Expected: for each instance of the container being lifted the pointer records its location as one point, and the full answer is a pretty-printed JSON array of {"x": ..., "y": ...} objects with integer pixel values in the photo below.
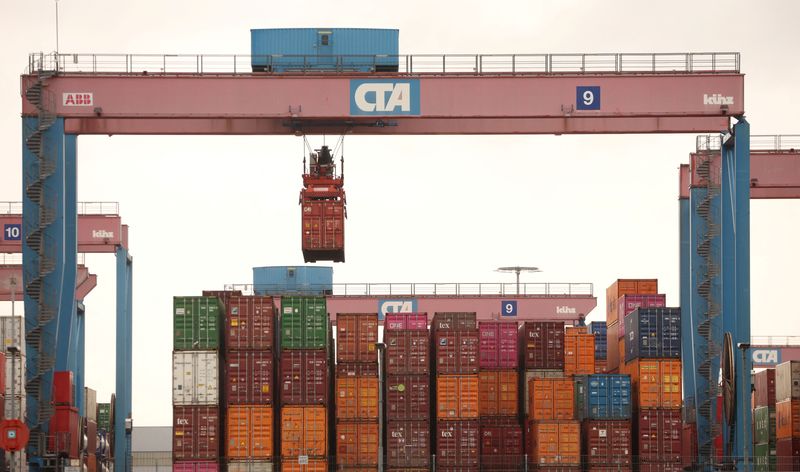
[{"x": 323, "y": 202}]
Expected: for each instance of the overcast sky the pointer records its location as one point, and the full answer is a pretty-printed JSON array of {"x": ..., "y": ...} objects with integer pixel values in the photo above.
[{"x": 204, "y": 210}]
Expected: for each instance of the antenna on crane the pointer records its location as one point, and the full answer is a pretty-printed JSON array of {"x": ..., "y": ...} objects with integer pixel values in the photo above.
[
  {"x": 56, "y": 30},
  {"x": 518, "y": 270}
]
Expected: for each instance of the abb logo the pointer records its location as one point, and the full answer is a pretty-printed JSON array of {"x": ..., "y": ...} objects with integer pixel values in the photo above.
[{"x": 78, "y": 99}]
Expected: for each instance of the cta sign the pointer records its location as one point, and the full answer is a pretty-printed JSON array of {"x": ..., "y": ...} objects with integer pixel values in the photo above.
[
  {"x": 78, "y": 99},
  {"x": 407, "y": 305},
  {"x": 384, "y": 97},
  {"x": 763, "y": 357}
]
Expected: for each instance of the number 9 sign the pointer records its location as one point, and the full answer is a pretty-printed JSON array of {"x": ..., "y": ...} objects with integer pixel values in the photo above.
[
  {"x": 508, "y": 307},
  {"x": 587, "y": 98}
]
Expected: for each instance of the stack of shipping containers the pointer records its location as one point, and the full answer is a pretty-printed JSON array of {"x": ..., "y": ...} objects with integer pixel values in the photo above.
[
  {"x": 249, "y": 338},
  {"x": 764, "y": 446},
  {"x": 498, "y": 400},
  {"x": 603, "y": 402},
  {"x": 305, "y": 384},
  {"x": 787, "y": 409},
  {"x": 195, "y": 384},
  {"x": 408, "y": 393},
  {"x": 357, "y": 392},
  {"x": 622, "y": 297},
  {"x": 457, "y": 432}
]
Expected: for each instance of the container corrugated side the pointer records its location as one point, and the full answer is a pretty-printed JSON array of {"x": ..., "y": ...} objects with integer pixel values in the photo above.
[
  {"x": 578, "y": 354},
  {"x": 356, "y": 336},
  {"x": 787, "y": 422},
  {"x": 304, "y": 431},
  {"x": 554, "y": 443},
  {"x": 499, "y": 348},
  {"x": 251, "y": 465},
  {"x": 357, "y": 398},
  {"x": 628, "y": 303},
  {"x": 764, "y": 384},
  {"x": 498, "y": 393},
  {"x": 196, "y": 323},
  {"x": 304, "y": 377},
  {"x": 457, "y": 444},
  {"x": 457, "y": 396},
  {"x": 608, "y": 397},
  {"x": 456, "y": 352},
  {"x": 249, "y": 377},
  {"x": 356, "y": 444},
  {"x": 195, "y": 466},
  {"x": 787, "y": 381},
  {"x": 408, "y": 444},
  {"x": 551, "y": 399},
  {"x": 195, "y": 378},
  {"x": 195, "y": 432},
  {"x": 408, "y": 397},
  {"x": 764, "y": 425},
  {"x": 250, "y": 323},
  {"x": 249, "y": 432},
  {"x": 304, "y": 323},
  {"x": 653, "y": 333},
  {"x": 658, "y": 435},
  {"x": 542, "y": 345},
  {"x": 655, "y": 383},
  {"x": 607, "y": 442},
  {"x": 404, "y": 321},
  {"x": 501, "y": 444},
  {"x": 407, "y": 352}
]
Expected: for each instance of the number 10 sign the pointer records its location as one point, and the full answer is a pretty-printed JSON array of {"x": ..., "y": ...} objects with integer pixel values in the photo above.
[{"x": 588, "y": 98}]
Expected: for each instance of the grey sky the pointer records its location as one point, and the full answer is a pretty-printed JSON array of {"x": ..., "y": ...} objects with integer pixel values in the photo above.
[{"x": 204, "y": 210}]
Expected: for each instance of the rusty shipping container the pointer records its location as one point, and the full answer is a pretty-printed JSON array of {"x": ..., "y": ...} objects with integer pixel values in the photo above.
[
  {"x": 658, "y": 435},
  {"x": 304, "y": 377},
  {"x": 787, "y": 381},
  {"x": 249, "y": 432},
  {"x": 457, "y": 444},
  {"x": 787, "y": 419},
  {"x": 356, "y": 336},
  {"x": 788, "y": 455},
  {"x": 542, "y": 345},
  {"x": 349, "y": 369},
  {"x": 525, "y": 391},
  {"x": 250, "y": 323},
  {"x": 764, "y": 383},
  {"x": 456, "y": 352},
  {"x": 627, "y": 304},
  {"x": 655, "y": 383},
  {"x": 408, "y": 444},
  {"x": 356, "y": 398},
  {"x": 578, "y": 354},
  {"x": 249, "y": 377},
  {"x": 501, "y": 444},
  {"x": 457, "y": 396},
  {"x": 323, "y": 229},
  {"x": 304, "y": 431},
  {"x": 607, "y": 443},
  {"x": 195, "y": 432},
  {"x": 499, "y": 347},
  {"x": 408, "y": 397},
  {"x": 407, "y": 352},
  {"x": 498, "y": 393},
  {"x": 454, "y": 322},
  {"x": 554, "y": 443},
  {"x": 356, "y": 444},
  {"x": 551, "y": 399}
]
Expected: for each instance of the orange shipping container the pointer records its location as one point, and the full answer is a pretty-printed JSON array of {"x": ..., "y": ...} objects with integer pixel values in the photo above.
[
  {"x": 304, "y": 431},
  {"x": 249, "y": 432},
  {"x": 599, "y": 366},
  {"x": 356, "y": 444},
  {"x": 292, "y": 464},
  {"x": 551, "y": 399},
  {"x": 622, "y": 287},
  {"x": 356, "y": 335},
  {"x": 656, "y": 383},
  {"x": 555, "y": 442},
  {"x": 357, "y": 398},
  {"x": 579, "y": 354},
  {"x": 456, "y": 396},
  {"x": 787, "y": 419},
  {"x": 576, "y": 330},
  {"x": 498, "y": 393}
]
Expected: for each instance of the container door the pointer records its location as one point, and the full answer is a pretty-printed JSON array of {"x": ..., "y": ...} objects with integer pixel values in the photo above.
[{"x": 325, "y": 48}]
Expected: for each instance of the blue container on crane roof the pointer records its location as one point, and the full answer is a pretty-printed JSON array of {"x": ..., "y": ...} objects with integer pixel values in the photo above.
[
  {"x": 293, "y": 280},
  {"x": 324, "y": 50},
  {"x": 599, "y": 329}
]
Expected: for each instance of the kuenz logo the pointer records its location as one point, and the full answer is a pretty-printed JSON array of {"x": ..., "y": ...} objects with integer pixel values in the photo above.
[
  {"x": 717, "y": 99},
  {"x": 102, "y": 234},
  {"x": 384, "y": 97},
  {"x": 565, "y": 310}
]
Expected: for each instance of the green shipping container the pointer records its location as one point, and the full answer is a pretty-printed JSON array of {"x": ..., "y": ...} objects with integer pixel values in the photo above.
[
  {"x": 581, "y": 386},
  {"x": 304, "y": 323},
  {"x": 764, "y": 420},
  {"x": 765, "y": 457},
  {"x": 196, "y": 323},
  {"x": 104, "y": 416}
]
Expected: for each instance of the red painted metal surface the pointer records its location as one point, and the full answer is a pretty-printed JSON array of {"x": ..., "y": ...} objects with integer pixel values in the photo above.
[
  {"x": 304, "y": 377},
  {"x": 248, "y": 377},
  {"x": 322, "y": 227},
  {"x": 84, "y": 284},
  {"x": 455, "y": 352},
  {"x": 408, "y": 444},
  {"x": 773, "y": 175},
  {"x": 407, "y": 352},
  {"x": 764, "y": 384},
  {"x": 607, "y": 442},
  {"x": 501, "y": 444},
  {"x": 788, "y": 451},
  {"x": 195, "y": 432},
  {"x": 689, "y": 445},
  {"x": 626, "y": 304},
  {"x": 65, "y": 431},
  {"x": 457, "y": 444},
  {"x": 356, "y": 336},
  {"x": 63, "y": 389},
  {"x": 542, "y": 345},
  {"x": 408, "y": 397},
  {"x": 402, "y": 321},
  {"x": 499, "y": 346},
  {"x": 454, "y": 321},
  {"x": 249, "y": 323},
  {"x": 195, "y": 466},
  {"x": 658, "y": 433}
]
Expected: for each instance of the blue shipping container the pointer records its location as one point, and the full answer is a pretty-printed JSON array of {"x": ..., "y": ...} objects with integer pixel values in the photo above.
[
  {"x": 599, "y": 329},
  {"x": 608, "y": 396},
  {"x": 653, "y": 333},
  {"x": 293, "y": 280},
  {"x": 324, "y": 49}
]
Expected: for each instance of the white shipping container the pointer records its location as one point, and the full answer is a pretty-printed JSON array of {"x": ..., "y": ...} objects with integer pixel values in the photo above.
[
  {"x": 787, "y": 381},
  {"x": 15, "y": 406},
  {"x": 195, "y": 378},
  {"x": 12, "y": 332},
  {"x": 19, "y": 374}
]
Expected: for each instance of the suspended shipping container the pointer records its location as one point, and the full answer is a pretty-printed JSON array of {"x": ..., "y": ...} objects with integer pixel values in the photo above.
[
  {"x": 195, "y": 378},
  {"x": 250, "y": 323},
  {"x": 653, "y": 333},
  {"x": 196, "y": 322},
  {"x": 248, "y": 377},
  {"x": 356, "y": 336},
  {"x": 323, "y": 226}
]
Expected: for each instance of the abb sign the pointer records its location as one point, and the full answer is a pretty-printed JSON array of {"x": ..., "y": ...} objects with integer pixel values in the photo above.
[{"x": 78, "y": 99}]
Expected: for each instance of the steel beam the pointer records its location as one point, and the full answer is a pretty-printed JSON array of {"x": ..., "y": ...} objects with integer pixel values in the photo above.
[{"x": 124, "y": 361}]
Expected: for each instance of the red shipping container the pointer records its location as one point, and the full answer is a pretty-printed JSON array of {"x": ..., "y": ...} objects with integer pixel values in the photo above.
[
  {"x": 456, "y": 352},
  {"x": 195, "y": 466},
  {"x": 608, "y": 443},
  {"x": 457, "y": 444},
  {"x": 63, "y": 388},
  {"x": 304, "y": 377},
  {"x": 788, "y": 452},
  {"x": 404, "y": 321},
  {"x": 356, "y": 335},
  {"x": 454, "y": 322},
  {"x": 408, "y": 444},
  {"x": 764, "y": 384},
  {"x": 498, "y": 345},
  {"x": 323, "y": 229},
  {"x": 615, "y": 351},
  {"x": 501, "y": 444},
  {"x": 542, "y": 345},
  {"x": 356, "y": 445},
  {"x": 349, "y": 369},
  {"x": 408, "y": 397},
  {"x": 657, "y": 466},
  {"x": 65, "y": 431},
  {"x": 407, "y": 352},
  {"x": 250, "y": 323},
  {"x": 689, "y": 443},
  {"x": 195, "y": 432},
  {"x": 628, "y": 303},
  {"x": 248, "y": 377},
  {"x": 223, "y": 295},
  {"x": 658, "y": 434},
  {"x": 3, "y": 372}
]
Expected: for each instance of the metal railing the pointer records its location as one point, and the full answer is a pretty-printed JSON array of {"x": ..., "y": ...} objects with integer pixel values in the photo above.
[
  {"x": 758, "y": 142},
  {"x": 98, "y": 208},
  {"x": 429, "y": 289},
  {"x": 90, "y": 63},
  {"x": 11, "y": 208},
  {"x": 775, "y": 341}
]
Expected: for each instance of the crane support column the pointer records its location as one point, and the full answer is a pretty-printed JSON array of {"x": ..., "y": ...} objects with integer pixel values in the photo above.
[
  {"x": 735, "y": 188},
  {"x": 687, "y": 347},
  {"x": 80, "y": 360},
  {"x": 122, "y": 414}
]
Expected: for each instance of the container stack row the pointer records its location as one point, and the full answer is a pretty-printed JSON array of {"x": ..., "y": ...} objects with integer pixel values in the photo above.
[
  {"x": 408, "y": 392},
  {"x": 357, "y": 392},
  {"x": 622, "y": 297},
  {"x": 455, "y": 379},
  {"x": 787, "y": 416},
  {"x": 764, "y": 430}
]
